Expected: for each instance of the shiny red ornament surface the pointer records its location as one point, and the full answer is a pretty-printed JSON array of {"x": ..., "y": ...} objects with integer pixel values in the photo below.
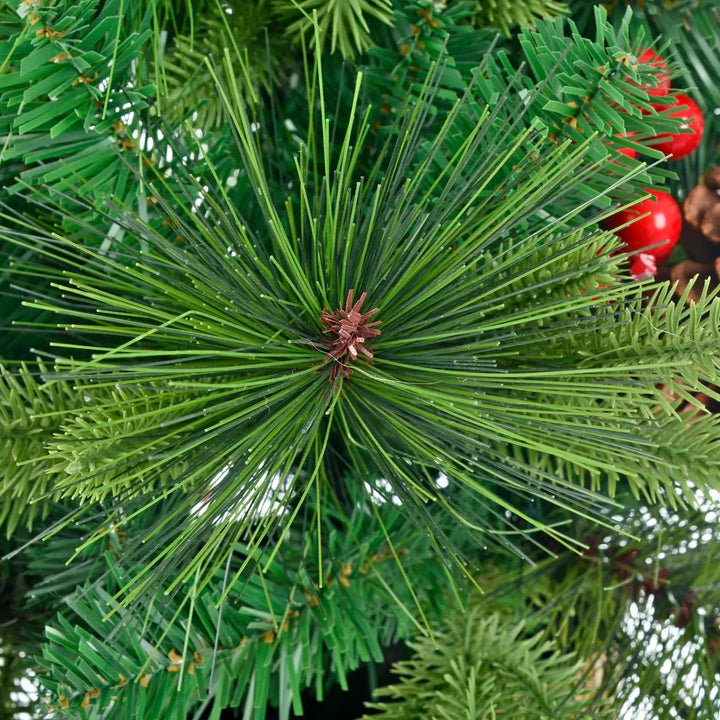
[
  {"x": 681, "y": 145},
  {"x": 662, "y": 86},
  {"x": 660, "y": 228}
]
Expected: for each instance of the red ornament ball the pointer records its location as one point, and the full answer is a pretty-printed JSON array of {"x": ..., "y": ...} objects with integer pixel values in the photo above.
[
  {"x": 662, "y": 85},
  {"x": 682, "y": 144},
  {"x": 660, "y": 228}
]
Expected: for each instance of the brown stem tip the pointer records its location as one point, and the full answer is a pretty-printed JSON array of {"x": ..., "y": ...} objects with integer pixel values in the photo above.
[{"x": 349, "y": 330}]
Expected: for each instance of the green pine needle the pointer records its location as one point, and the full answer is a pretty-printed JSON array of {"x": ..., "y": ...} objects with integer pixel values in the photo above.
[{"x": 346, "y": 23}]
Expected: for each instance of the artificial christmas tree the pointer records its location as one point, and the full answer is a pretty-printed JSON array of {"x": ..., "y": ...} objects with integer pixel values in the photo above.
[{"x": 315, "y": 344}]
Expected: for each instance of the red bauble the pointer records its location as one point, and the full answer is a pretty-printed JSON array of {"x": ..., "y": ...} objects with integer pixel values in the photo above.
[
  {"x": 662, "y": 86},
  {"x": 660, "y": 228},
  {"x": 682, "y": 144}
]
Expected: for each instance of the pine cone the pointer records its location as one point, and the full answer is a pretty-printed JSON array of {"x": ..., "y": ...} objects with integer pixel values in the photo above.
[
  {"x": 702, "y": 206},
  {"x": 700, "y": 237}
]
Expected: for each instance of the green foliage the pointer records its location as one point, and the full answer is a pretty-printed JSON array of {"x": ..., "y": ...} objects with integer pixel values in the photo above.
[
  {"x": 68, "y": 76},
  {"x": 250, "y": 511},
  {"x": 251, "y": 30},
  {"x": 580, "y": 87},
  {"x": 505, "y": 14},
  {"x": 588, "y": 90},
  {"x": 64, "y": 91},
  {"x": 481, "y": 665},
  {"x": 30, "y": 412},
  {"x": 425, "y": 36},
  {"x": 346, "y": 23},
  {"x": 656, "y": 330},
  {"x": 222, "y": 326},
  {"x": 263, "y": 643},
  {"x": 124, "y": 426},
  {"x": 660, "y": 7}
]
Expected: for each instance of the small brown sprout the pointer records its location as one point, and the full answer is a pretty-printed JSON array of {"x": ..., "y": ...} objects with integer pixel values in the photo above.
[{"x": 349, "y": 329}]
